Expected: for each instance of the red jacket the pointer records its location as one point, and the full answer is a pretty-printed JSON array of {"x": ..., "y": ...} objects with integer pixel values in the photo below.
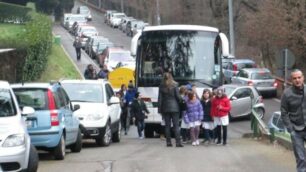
[{"x": 225, "y": 104}]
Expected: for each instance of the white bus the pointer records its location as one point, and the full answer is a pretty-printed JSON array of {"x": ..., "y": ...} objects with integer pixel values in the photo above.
[{"x": 191, "y": 53}]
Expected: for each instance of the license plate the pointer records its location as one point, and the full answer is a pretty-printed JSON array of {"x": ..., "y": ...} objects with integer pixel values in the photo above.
[{"x": 29, "y": 124}]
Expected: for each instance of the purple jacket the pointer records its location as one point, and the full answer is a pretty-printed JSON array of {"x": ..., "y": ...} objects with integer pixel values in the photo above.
[{"x": 194, "y": 112}]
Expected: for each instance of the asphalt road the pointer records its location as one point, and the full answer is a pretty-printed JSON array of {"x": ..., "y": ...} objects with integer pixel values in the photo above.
[{"x": 135, "y": 155}]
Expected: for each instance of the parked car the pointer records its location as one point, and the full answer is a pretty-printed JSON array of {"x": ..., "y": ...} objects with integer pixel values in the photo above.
[
  {"x": 243, "y": 99},
  {"x": 130, "y": 25},
  {"x": 138, "y": 27},
  {"x": 260, "y": 78},
  {"x": 234, "y": 66},
  {"x": 124, "y": 25},
  {"x": 123, "y": 22},
  {"x": 92, "y": 44},
  {"x": 65, "y": 18},
  {"x": 16, "y": 150},
  {"x": 118, "y": 57},
  {"x": 100, "y": 53},
  {"x": 100, "y": 110},
  {"x": 74, "y": 18},
  {"x": 107, "y": 15},
  {"x": 276, "y": 122},
  {"x": 227, "y": 60},
  {"x": 84, "y": 10},
  {"x": 53, "y": 126},
  {"x": 84, "y": 32},
  {"x": 76, "y": 25},
  {"x": 115, "y": 19}
]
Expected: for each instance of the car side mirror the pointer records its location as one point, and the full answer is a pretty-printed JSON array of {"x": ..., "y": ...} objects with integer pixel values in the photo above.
[
  {"x": 234, "y": 98},
  {"x": 114, "y": 100},
  {"x": 76, "y": 107},
  {"x": 27, "y": 111}
]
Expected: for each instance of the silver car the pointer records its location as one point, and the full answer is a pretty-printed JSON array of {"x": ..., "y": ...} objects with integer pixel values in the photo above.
[
  {"x": 260, "y": 78},
  {"x": 243, "y": 99},
  {"x": 233, "y": 66},
  {"x": 16, "y": 151}
]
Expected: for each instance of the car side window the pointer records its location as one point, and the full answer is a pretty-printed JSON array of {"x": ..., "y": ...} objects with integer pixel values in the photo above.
[
  {"x": 242, "y": 93},
  {"x": 59, "y": 100}
]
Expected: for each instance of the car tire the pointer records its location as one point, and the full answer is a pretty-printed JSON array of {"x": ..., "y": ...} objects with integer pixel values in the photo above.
[
  {"x": 33, "y": 160},
  {"x": 77, "y": 146},
  {"x": 117, "y": 135},
  {"x": 105, "y": 137},
  {"x": 148, "y": 132},
  {"x": 260, "y": 112},
  {"x": 60, "y": 150}
]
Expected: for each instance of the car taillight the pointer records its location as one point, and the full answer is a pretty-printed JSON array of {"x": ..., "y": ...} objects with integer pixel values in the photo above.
[
  {"x": 52, "y": 108},
  {"x": 235, "y": 68},
  {"x": 250, "y": 83},
  {"x": 275, "y": 84}
]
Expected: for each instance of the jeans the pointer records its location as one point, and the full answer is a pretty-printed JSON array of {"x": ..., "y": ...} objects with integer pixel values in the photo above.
[
  {"x": 126, "y": 119},
  {"x": 224, "y": 128},
  {"x": 174, "y": 118},
  {"x": 298, "y": 139},
  {"x": 140, "y": 127},
  {"x": 78, "y": 53},
  {"x": 209, "y": 134}
]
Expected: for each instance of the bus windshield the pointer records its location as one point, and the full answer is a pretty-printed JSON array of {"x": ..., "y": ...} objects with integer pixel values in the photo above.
[{"x": 188, "y": 55}]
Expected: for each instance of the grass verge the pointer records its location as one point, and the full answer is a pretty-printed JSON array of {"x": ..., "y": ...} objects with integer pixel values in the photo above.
[{"x": 59, "y": 66}]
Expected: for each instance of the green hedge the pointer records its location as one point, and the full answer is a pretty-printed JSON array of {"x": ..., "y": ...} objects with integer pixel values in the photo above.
[
  {"x": 13, "y": 13},
  {"x": 39, "y": 43}
]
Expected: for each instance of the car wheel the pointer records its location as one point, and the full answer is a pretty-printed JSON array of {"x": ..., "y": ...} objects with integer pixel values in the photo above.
[
  {"x": 117, "y": 135},
  {"x": 33, "y": 160},
  {"x": 77, "y": 146},
  {"x": 60, "y": 150},
  {"x": 105, "y": 137},
  {"x": 260, "y": 112},
  {"x": 148, "y": 132}
]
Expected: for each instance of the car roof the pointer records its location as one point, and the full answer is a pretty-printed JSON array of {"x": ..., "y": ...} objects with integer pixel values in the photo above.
[
  {"x": 84, "y": 81},
  {"x": 236, "y": 86},
  {"x": 253, "y": 70},
  {"x": 4, "y": 84},
  {"x": 33, "y": 85},
  {"x": 243, "y": 61}
]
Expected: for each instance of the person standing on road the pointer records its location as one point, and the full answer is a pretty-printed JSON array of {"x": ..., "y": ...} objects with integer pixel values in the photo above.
[
  {"x": 194, "y": 116},
  {"x": 128, "y": 98},
  {"x": 77, "y": 45},
  {"x": 168, "y": 106},
  {"x": 139, "y": 110},
  {"x": 220, "y": 110},
  {"x": 184, "y": 127},
  {"x": 293, "y": 113},
  {"x": 208, "y": 122}
]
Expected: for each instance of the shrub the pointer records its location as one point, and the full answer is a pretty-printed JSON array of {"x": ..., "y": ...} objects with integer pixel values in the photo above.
[{"x": 13, "y": 13}]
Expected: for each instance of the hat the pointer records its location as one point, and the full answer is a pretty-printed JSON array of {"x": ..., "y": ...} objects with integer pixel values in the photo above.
[{"x": 130, "y": 85}]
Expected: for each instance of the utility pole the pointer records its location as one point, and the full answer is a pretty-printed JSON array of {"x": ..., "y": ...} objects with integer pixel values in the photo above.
[
  {"x": 157, "y": 12},
  {"x": 231, "y": 27},
  {"x": 122, "y": 7}
]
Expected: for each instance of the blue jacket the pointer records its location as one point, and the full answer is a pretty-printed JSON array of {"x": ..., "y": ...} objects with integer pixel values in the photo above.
[
  {"x": 129, "y": 96},
  {"x": 194, "y": 112}
]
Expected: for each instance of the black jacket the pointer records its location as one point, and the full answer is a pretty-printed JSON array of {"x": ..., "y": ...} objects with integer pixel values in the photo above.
[
  {"x": 206, "y": 108},
  {"x": 168, "y": 99},
  {"x": 293, "y": 108},
  {"x": 138, "y": 109}
]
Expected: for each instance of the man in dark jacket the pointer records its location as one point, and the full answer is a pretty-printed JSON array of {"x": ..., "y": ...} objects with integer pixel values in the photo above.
[
  {"x": 78, "y": 45},
  {"x": 293, "y": 113},
  {"x": 128, "y": 98},
  {"x": 139, "y": 110}
]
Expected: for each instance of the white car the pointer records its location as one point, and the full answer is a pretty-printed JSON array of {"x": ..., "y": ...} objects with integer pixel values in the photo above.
[
  {"x": 117, "y": 57},
  {"x": 16, "y": 151},
  {"x": 99, "y": 111}
]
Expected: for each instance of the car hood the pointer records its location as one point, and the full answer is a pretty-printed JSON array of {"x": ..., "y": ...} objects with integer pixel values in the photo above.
[
  {"x": 89, "y": 108},
  {"x": 11, "y": 125}
]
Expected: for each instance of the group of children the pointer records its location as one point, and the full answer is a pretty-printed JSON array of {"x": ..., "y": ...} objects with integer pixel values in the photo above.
[{"x": 209, "y": 111}]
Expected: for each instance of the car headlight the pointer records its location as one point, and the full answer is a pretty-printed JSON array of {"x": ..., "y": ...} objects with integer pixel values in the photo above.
[
  {"x": 14, "y": 140},
  {"x": 89, "y": 16},
  {"x": 94, "y": 117}
]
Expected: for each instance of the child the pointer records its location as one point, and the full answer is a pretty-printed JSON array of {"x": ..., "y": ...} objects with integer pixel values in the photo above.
[
  {"x": 184, "y": 126},
  {"x": 138, "y": 109},
  {"x": 208, "y": 123},
  {"x": 194, "y": 116}
]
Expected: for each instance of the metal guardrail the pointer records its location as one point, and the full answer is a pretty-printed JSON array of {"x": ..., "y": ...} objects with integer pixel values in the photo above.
[{"x": 258, "y": 127}]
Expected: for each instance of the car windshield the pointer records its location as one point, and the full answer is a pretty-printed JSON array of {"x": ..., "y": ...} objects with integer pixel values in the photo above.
[
  {"x": 36, "y": 98},
  {"x": 245, "y": 65},
  {"x": 97, "y": 41},
  {"x": 7, "y": 107},
  {"x": 84, "y": 92},
  {"x": 229, "y": 90},
  {"x": 120, "y": 56},
  {"x": 261, "y": 75},
  {"x": 119, "y": 15},
  {"x": 103, "y": 46},
  {"x": 77, "y": 18}
]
